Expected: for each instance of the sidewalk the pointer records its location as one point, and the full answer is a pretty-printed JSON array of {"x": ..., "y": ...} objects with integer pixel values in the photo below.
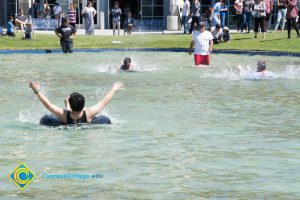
[{"x": 109, "y": 32}]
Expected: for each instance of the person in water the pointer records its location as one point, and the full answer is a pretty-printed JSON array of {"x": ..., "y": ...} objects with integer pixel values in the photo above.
[
  {"x": 75, "y": 111},
  {"x": 126, "y": 66},
  {"x": 260, "y": 73}
]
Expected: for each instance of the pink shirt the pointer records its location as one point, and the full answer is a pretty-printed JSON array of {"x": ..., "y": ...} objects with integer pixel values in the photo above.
[
  {"x": 269, "y": 5},
  {"x": 292, "y": 10},
  {"x": 239, "y": 6}
]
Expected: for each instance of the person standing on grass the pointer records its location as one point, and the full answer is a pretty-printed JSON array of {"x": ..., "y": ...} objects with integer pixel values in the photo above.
[
  {"x": 203, "y": 42},
  {"x": 89, "y": 13},
  {"x": 72, "y": 15},
  {"x": 238, "y": 6},
  {"x": 223, "y": 12},
  {"x": 185, "y": 14},
  {"x": 291, "y": 16},
  {"x": 116, "y": 13},
  {"x": 269, "y": 9},
  {"x": 247, "y": 15},
  {"x": 281, "y": 13},
  {"x": 259, "y": 18},
  {"x": 66, "y": 32},
  {"x": 195, "y": 15}
]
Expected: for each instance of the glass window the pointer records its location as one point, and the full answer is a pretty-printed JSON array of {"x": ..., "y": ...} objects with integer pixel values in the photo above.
[
  {"x": 158, "y": 2},
  {"x": 147, "y": 11},
  {"x": 158, "y": 11},
  {"x": 146, "y": 2}
]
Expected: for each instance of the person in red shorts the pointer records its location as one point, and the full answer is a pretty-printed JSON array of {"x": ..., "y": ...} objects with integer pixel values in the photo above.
[{"x": 203, "y": 42}]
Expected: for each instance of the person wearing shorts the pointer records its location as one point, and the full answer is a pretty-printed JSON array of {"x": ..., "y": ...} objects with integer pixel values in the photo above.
[{"x": 203, "y": 42}]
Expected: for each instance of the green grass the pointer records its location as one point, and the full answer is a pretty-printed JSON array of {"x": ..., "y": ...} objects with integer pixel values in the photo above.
[{"x": 273, "y": 42}]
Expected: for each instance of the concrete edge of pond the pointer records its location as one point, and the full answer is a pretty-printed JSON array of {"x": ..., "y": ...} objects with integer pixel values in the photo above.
[{"x": 217, "y": 51}]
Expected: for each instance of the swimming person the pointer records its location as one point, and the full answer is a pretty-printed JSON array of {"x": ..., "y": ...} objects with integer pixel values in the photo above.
[
  {"x": 260, "y": 73},
  {"x": 75, "y": 111},
  {"x": 126, "y": 65}
]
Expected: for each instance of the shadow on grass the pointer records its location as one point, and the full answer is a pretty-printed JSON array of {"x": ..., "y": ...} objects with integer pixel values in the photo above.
[
  {"x": 242, "y": 38},
  {"x": 273, "y": 40}
]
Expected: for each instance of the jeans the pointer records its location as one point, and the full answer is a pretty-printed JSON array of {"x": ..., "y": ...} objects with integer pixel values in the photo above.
[
  {"x": 184, "y": 22},
  {"x": 195, "y": 19},
  {"x": 223, "y": 20},
  {"x": 215, "y": 20},
  {"x": 247, "y": 17},
  {"x": 280, "y": 18},
  {"x": 67, "y": 46},
  {"x": 292, "y": 22},
  {"x": 116, "y": 24}
]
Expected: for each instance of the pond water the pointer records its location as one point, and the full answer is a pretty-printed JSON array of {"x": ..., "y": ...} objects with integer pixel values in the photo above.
[{"x": 177, "y": 133}]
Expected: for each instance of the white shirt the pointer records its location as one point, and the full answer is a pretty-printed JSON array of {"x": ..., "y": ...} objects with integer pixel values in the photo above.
[
  {"x": 185, "y": 8},
  {"x": 201, "y": 40},
  {"x": 89, "y": 10}
]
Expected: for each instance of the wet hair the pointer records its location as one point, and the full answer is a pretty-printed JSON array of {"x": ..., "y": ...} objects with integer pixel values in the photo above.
[
  {"x": 261, "y": 66},
  {"x": 76, "y": 101},
  {"x": 127, "y": 60}
]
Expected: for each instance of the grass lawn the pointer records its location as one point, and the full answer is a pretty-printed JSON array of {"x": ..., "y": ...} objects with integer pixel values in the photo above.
[{"x": 273, "y": 42}]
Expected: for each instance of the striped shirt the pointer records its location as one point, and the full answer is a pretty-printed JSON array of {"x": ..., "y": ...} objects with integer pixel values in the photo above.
[{"x": 72, "y": 16}]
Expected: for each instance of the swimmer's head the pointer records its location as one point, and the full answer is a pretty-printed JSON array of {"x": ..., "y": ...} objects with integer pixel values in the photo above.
[
  {"x": 261, "y": 66},
  {"x": 127, "y": 63},
  {"x": 76, "y": 102}
]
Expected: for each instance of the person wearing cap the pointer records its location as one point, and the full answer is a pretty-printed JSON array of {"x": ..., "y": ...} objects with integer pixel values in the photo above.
[
  {"x": 203, "y": 42},
  {"x": 226, "y": 34},
  {"x": 217, "y": 34}
]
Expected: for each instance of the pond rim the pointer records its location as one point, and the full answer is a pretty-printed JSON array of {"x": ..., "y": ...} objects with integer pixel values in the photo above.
[{"x": 215, "y": 51}]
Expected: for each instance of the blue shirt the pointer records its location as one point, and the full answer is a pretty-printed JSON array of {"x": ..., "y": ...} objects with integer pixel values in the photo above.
[
  {"x": 10, "y": 27},
  {"x": 223, "y": 12}
]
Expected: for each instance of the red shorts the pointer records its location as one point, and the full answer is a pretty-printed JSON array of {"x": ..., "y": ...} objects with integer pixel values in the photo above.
[{"x": 201, "y": 59}]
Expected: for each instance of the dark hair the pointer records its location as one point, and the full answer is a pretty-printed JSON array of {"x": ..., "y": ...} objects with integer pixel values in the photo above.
[
  {"x": 10, "y": 18},
  {"x": 261, "y": 66},
  {"x": 127, "y": 60},
  {"x": 76, "y": 101},
  {"x": 218, "y": 26},
  {"x": 64, "y": 20},
  {"x": 115, "y": 3},
  {"x": 89, "y": 3}
]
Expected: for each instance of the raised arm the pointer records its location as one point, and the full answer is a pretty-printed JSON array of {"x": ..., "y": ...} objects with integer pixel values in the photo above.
[
  {"x": 55, "y": 110},
  {"x": 94, "y": 110}
]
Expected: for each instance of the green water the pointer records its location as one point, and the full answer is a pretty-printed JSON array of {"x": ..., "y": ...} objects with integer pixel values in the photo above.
[{"x": 177, "y": 133}]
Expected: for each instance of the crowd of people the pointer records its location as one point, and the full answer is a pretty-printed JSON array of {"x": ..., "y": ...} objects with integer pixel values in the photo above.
[{"x": 246, "y": 11}]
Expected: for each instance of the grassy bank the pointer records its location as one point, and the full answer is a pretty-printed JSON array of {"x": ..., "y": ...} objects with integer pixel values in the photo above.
[{"x": 273, "y": 42}]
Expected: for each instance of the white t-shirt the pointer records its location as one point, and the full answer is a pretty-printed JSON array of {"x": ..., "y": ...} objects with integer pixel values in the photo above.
[
  {"x": 89, "y": 10},
  {"x": 185, "y": 8},
  {"x": 201, "y": 40}
]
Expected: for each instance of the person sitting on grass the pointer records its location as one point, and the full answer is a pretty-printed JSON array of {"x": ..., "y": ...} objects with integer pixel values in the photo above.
[
  {"x": 129, "y": 24},
  {"x": 66, "y": 32},
  {"x": 226, "y": 34},
  {"x": 10, "y": 27},
  {"x": 28, "y": 31},
  {"x": 75, "y": 111},
  {"x": 21, "y": 20},
  {"x": 217, "y": 34},
  {"x": 1, "y": 32}
]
